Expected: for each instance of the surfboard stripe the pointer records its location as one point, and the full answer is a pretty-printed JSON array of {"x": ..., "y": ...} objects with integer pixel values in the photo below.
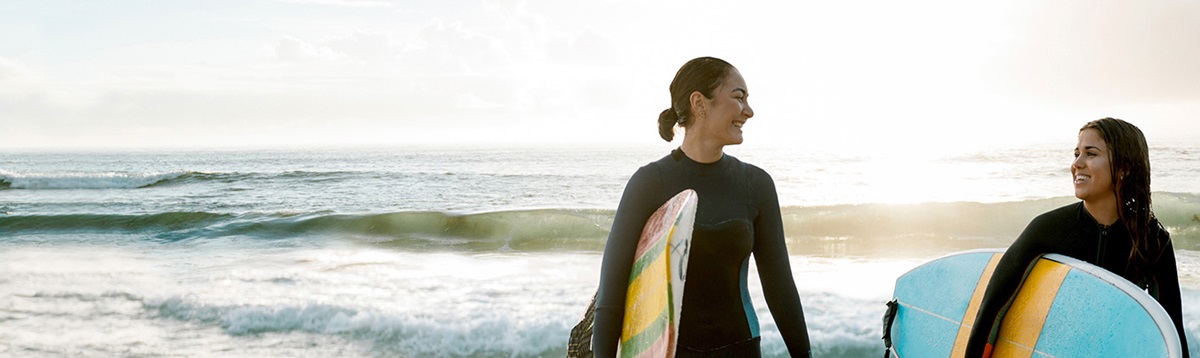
[
  {"x": 668, "y": 267},
  {"x": 648, "y": 341},
  {"x": 652, "y": 290},
  {"x": 653, "y": 255},
  {"x": 968, "y": 319},
  {"x": 1021, "y": 326}
]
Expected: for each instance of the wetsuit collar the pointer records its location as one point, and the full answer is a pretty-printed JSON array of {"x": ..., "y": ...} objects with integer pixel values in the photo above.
[
  {"x": 678, "y": 155},
  {"x": 698, "y": 168},
  {"x": 1086, "y": 217}
]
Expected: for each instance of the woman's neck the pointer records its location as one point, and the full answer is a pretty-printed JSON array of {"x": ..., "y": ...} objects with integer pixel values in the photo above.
[
  {"x": 701, "y": 152},
  {"x": 1104, "y": 211}
]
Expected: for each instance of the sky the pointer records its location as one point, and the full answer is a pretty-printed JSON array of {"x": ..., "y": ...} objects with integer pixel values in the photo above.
[{"x": 857, "y": 75}]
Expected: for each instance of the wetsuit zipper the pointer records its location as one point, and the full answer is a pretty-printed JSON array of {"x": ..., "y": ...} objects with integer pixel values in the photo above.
[{"x": 1100, "y": 247}]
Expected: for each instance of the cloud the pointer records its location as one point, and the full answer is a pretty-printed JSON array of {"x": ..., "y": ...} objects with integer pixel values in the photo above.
[
  {"x": 437, "y": 48},
  {"x": 13, "y": 72},
  {"x": 291, "y": 49},
  {"x": 348, "y": 3},
  {"x": 368, "y": 47},
  {"x": 359, "y": 49},
  {"x": 470, "y": 100},
  {"x": 1095, "y": 52},
  {"x": 452, "y": 48},
  {"x": 22, "y": 94},
  {"x": 587, "y": 47}
]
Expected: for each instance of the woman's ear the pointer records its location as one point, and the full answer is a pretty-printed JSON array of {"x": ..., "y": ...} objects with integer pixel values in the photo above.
[{"x": 699, "y": 104}]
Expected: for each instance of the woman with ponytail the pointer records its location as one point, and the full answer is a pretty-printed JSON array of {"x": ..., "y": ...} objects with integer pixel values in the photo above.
[
  {"x": 1112, "y": 226},
  {"x": 738, "y": 216}
]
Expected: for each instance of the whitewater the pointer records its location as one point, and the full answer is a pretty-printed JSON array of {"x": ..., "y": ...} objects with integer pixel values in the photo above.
[{"x": 468, "y": 252}]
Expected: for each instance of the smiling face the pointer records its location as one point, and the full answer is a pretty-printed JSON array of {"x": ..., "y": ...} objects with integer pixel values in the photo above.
[
  {"x": 1091, "y": 170},
  {"x": 724, "y": 113}
]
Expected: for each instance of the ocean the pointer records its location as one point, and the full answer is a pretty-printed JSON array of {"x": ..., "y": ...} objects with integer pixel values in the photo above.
[{"x": 469, "y": 251}]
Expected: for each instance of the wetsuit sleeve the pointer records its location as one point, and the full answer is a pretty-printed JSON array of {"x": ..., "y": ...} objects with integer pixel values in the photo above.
[
  {"x": 1005, "y": 281},
  {"x": 1167, "y": 279},
  {"x": 775, "y": 270},
  {"x": 639, "y": 200}
]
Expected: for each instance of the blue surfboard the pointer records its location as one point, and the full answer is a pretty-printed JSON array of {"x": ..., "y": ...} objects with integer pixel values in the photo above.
[{"x": 1065, "y": 308}]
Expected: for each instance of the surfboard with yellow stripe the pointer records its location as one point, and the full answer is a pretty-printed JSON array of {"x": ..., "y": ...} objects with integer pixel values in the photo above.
[
  {"x": 1064, "y": 308},
  {"x": 655, "y": 295}
]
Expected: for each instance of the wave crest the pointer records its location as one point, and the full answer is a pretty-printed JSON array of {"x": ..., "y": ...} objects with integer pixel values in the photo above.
[
  {"x": 876, "y": 228},
  {"x": 140, "y": 180},
  {"x": 105, "y": 180}
]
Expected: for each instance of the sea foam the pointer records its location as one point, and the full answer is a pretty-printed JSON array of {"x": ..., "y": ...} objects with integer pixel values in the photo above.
[{"x": 387, "y": 333}]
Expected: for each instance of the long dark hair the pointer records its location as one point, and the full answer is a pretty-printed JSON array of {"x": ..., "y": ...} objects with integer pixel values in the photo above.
[
  {"x": 703, "y": 74},
  {"x": 1129, "y": 159}
]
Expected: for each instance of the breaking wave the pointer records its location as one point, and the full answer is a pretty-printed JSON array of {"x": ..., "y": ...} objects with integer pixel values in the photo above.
[
  {"x": 864, "y": 226},
  {"x": 140, "y": 180},
  {"x": 105, "y": 180}
]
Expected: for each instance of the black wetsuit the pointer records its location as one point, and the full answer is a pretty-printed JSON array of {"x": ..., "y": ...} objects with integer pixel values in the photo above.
[
  {"x": 737, "y": 214},
  {"x": 1071, "y": 231}
]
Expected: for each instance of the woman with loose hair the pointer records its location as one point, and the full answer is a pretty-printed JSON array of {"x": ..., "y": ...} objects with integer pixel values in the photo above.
[
  {"x": 737, "y": 216},
  {"x": 1112, "y": 226}
]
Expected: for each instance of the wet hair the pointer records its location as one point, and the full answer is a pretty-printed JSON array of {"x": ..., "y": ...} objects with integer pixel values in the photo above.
[
  {"x": 1129, "y": 159},
  {"x": 702, "y": 74}
]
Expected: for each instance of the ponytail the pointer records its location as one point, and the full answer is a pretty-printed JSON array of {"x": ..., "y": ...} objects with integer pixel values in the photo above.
[{"x": 666, "y": 124}]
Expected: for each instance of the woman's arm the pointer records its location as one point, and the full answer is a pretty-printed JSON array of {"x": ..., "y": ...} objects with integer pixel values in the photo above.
[
  {"x": 775, "y": 270},
  {"x": 640, "y": 199},
  {"x": 1167, "y": 279},
  {"x": 1004, "y": 282}
]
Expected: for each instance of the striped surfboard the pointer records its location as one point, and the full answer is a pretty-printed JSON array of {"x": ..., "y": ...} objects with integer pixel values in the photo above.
[
  {"x": 1065, "y": 308},
  {"x": 655, "y": 295}
]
